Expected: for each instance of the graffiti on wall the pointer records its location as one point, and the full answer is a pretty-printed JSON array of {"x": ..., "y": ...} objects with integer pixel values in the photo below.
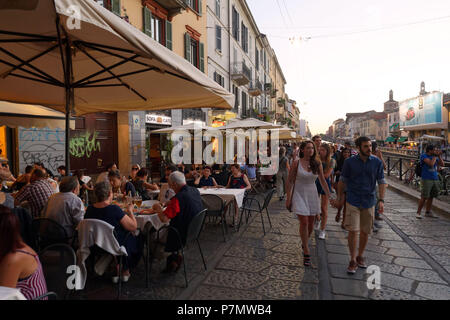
[
  {"x": 84, "y": 145},
  {"x": 41, "y": 145}
]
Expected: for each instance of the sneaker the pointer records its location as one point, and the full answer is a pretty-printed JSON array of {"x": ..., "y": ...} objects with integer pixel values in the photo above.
[
  {"x": 322, "y": 235},
  {"x": 352, "y": 267},
  {"x": 361, "y": 263},
  {"x": 115, "y": 279},
  {"x": 377, "y": 225},
  {"x": 418, "y": 216},
  {"x": 126, "y": 278},
  {"x": 430, "y": 215}
]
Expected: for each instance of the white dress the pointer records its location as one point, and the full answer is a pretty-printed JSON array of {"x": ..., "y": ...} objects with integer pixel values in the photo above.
[{"x": 305, "y": 200}]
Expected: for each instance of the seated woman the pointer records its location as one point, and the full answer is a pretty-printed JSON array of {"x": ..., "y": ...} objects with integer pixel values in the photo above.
[
  {"x": 134, "y": 170},
  {"x": 19, "y": 264},
  {"x": 238, "y": 180},
  {"x": 23, "y": 179},
  {"x": 119, "y": 186},
  {"x": 123, "y": 222},
  {"x": 205, "y": 180},
  {"x": 142, "y": 186}
]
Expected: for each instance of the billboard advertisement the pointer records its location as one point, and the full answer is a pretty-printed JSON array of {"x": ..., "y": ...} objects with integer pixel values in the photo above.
[{"x": 424, "y": 112}]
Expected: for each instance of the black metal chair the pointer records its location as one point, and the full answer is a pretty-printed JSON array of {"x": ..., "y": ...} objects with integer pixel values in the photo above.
[
  {"x": 56, "y": 260},
  {"x": 47, "y": 232},
  {"x": 257, "y": 203},
  {"x": 193, "y": 233},
  {"x": 215, "y": 206}
]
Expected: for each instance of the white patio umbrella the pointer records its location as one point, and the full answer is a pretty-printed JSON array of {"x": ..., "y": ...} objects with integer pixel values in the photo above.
[
  {"x": 77, "y": 57},
  {"x": 250, "y": 123},
  {"x": 188, "y": 127}
]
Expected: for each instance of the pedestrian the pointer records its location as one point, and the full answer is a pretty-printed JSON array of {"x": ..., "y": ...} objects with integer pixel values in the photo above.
[
  {"x": 429, "y": 162},
  {"x": 328, "y": 165},
  {"x": 359, "y": 176},
  {"x": 345, "y": 154},
  {"x": 302, "y": 197},
  {"x": 349, "y": 146},
  {"x": 377, "y": 153},
  {"x": 282, "y": 174}
]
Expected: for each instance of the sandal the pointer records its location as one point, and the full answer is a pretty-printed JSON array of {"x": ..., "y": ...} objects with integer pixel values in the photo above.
[
  {"x": 338, "y": 217},
  {"x": 306, "y": 260}
]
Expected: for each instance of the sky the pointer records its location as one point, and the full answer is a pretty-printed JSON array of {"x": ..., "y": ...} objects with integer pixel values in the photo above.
[{"x": 353, "y": 52}]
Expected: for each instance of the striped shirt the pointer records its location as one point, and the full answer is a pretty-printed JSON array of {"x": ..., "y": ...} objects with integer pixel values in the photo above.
[
  {"x": 37, "y": 194},
  {"x": 34, "y": 285}
]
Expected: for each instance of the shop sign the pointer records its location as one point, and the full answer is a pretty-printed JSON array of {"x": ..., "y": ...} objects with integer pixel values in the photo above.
[{"x": 157, "y": 119}]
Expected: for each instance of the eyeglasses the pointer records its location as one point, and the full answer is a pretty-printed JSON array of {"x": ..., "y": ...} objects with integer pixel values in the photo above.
[{"x": 134, "y": 168}]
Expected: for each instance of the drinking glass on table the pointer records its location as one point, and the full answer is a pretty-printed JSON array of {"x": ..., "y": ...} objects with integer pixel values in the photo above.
[{"x": 138, "y": 201}]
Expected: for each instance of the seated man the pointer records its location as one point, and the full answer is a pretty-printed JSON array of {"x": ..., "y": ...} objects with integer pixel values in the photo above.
[
  {"x": 36, "y": 193},
  {"x": 205, "y": 180},
  {"x": 65, "y": 207},
  {"x": 183, "y": 207}
]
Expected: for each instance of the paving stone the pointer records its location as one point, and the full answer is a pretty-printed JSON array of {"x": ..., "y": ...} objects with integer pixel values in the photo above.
[
  {"x": 390, "y": 268},
  {"x": 347, "y": 287},
  {"x": 392, "y": 294},
  {"x": 413, "y": 263},
  {"x": 373, "y": 257},
  {"x": 403, "y": 253},
  {"x": 341, "y": 297},
  {"x": 291, "y": 273},
  {"x": 259, "y": 243},
  {"x": 291, "y": 248},
  {"x": 287, "y": 259},
  {"x": 376, "y": 248},
  {"x": 242, "y": 264},
  {"x": 340, "y": 235},
  {"x": 236, "y": 280},
  {"x": 337, "y": 249},
  {"x": 340, "y": 271},
  {"x": 442, "y": 259},
  {"x": 433, "y": 291},
  {"x": 422, "y": 275},
  {"x": 205, "y": 292},
  {"x": 427, "y": 241},
  {"x": 283, "y": 290},
  {"x": 338, "y": 258},
  {"x": 396, "y": 282},
  {"x": 387, "y": 236},
  {"x": 395, "y": 244},
  {"x": 286, "y": 238},
  {"x": 336, "y": 241},
  {"x": 247, "y": 252}
]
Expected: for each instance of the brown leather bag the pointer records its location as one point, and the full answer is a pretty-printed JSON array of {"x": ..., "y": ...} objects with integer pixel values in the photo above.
[{"x": 291, "y": 180}]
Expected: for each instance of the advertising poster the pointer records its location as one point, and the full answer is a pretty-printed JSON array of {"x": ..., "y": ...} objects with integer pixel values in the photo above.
[{"x": 423, "y": 112}]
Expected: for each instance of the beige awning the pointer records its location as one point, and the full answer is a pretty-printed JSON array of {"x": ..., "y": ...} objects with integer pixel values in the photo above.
[
  {"x": 188, "y": 127},
  {"x": 15, "y": 115},
  {"x": 116, "y": 67},
  {"x": 249, "y": 123}
]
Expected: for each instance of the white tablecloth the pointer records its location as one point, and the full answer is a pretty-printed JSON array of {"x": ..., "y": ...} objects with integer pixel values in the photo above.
[
  {"x": 142, "y": 220},
  {"x": 226, "y": 194},
  {"x": 11, "y": 294}
]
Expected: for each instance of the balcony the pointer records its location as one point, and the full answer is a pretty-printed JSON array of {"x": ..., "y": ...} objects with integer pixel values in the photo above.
[
  {"x": 173, "y": 6},
  {"x": 241, "y": 74},
  {"x": 255, "y": 88},
  {"x": 281, "y": 102}
]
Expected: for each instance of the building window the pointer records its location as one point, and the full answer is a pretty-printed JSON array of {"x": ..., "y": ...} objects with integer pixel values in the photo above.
[
  {"x": 244, "y": 38},
  {"x": 219, "y": 79},
  {"x": 235, "y": 23},
  {"x": 236, "y": 96},
  {"x": 195, "y": 5},
  {"x": 219, "y": 38},
  {"x": 157, "y": 26},
  {"x": 218, "y": 8},
  {"x": 244, "y": 103},
  {"x": 111, "y": 5},
  {"x": 257, "y": 59},
  {"x": 194, "y": 51}
]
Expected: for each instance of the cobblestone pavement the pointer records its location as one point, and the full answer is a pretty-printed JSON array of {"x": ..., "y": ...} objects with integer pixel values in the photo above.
[{"x": 413, "y": 255}]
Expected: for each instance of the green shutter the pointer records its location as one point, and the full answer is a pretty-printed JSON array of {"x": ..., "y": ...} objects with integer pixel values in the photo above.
[
  {"x": 200, "y": 7},
  {"x": 202, "y": 57},
  {"x": 169, "y": 34},
  {"x": 147, "y": 19},
  {"x": 187, "y": 47},
  {"x": 115, "y": 7}
]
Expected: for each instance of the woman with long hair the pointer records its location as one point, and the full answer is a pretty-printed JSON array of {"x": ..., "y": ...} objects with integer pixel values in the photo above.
[
  {"x": 345, "y": 154},
  {"x": 302, "y": 198},
  {"x": 328, "y": 165},
  {"x": 19, "y": 264}
]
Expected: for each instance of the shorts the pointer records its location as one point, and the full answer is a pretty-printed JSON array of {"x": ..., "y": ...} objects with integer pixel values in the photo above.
[
  {"x": 430, "y": 189},
  {"x": 359, "y": 219}
]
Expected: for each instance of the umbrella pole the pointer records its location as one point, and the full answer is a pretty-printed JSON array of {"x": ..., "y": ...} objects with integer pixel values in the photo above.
[{"x": 69, "y": 101}]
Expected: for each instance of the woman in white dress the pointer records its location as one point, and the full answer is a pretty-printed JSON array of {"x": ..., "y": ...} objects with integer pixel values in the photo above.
[{"x": 302, "y": 198}]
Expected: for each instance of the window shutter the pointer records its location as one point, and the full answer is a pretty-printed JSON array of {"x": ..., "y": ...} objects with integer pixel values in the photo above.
[
  {"x": 147, "y": 21},
  {"x": 115, "y": 7},
  {"x": 202, "y": 57},
  {"x": 169, "y": 34},
  {"x": 187, "y": 47},
  {"x": 218, "y": 38},
  {"x": 200, "y": 10}
]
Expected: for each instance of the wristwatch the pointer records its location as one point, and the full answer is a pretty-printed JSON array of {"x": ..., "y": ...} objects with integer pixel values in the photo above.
[{"x": 381, "y": 200}]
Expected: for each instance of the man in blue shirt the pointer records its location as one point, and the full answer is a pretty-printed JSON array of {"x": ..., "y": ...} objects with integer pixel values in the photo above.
[
  {"x": 430, "y": 181},
  {"x": 359, "y": 177}
]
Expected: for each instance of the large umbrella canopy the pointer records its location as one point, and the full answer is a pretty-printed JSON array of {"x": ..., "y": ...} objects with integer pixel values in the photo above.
[
  {"x": 188, "y": 127},
  {"x": 109, "y": 64},
  {"x": 250, "y": 123}
]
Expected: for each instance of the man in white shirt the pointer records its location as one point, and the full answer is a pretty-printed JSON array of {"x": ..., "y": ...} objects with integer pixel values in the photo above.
[{"x": 65, "y": 207}]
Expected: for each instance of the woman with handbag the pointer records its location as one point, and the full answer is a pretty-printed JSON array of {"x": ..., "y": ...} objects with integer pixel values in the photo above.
[{"x": 302, "y": 198}]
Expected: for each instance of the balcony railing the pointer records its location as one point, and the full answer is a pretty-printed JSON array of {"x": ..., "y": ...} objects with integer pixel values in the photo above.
[
  {"x": 173, "y": 6},
  {"x": 255, "y": 88},
  {"x": 241, "y": 74}
]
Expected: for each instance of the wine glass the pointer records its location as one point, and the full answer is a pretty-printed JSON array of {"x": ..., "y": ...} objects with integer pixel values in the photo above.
[{"x": 138, "y": 201}]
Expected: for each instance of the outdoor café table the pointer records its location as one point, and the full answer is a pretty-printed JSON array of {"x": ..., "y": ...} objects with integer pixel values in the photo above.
[
  {"x": 11, "y": 294},
  {"x": 227, "y": 194},
  {"x": 154, "y": 194}
]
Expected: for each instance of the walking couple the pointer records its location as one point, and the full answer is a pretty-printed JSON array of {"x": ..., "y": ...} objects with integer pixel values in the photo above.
[{"x": 359, "y": 177}]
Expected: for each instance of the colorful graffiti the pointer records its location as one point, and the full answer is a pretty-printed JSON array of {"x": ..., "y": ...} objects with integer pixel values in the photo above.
[{"x": 84, "y": 145}]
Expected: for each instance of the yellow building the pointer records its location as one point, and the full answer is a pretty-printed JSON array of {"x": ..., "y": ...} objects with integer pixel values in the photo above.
[{"x": 278, "y": 89}]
